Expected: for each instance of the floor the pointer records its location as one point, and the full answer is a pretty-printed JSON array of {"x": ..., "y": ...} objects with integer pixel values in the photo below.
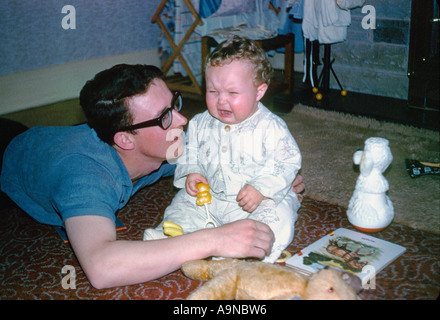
[{"x": 381, "y": 108}]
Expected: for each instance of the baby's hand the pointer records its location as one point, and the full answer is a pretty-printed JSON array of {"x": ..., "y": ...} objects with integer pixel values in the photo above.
[
  {"x": 192, "y": 180},
  {"x": 249, "y": 198}
]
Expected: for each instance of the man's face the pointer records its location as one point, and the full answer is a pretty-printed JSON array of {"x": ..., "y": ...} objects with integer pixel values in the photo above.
[{"x": 154, "y": 142}]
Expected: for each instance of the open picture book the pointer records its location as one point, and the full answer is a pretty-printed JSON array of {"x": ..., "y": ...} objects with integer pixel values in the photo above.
[{"x": 347, "y": 250}]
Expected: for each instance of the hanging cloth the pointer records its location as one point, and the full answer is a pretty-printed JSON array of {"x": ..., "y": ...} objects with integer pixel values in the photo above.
[
  {"x": 324, "y": 21},
  {"x": 208, "y": 7},
  {"x": 290, "y": 15}
]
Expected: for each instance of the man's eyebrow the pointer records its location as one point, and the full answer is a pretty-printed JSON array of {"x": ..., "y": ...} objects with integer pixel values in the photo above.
[
  {"x": 165, "y": 108},
  {"x": 161, "y": 111}
]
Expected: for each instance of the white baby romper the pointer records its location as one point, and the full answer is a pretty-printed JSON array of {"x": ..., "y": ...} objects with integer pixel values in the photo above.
[{"x": 259, "y": 151}]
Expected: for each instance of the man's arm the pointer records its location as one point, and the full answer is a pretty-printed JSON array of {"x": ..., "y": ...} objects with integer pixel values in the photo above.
[{"x": 108, "y": 262}]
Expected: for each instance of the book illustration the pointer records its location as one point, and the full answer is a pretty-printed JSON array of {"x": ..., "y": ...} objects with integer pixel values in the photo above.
[
  {"x": 346, "y": 250},
  {"x": 342, "y": 253}
]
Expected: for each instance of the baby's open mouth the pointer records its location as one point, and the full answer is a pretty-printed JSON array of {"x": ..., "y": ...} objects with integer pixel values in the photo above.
[{"x": 224, "y": 113}]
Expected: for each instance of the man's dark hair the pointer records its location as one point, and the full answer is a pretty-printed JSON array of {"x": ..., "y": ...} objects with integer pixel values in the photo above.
[{"x": 104, "y": 97}]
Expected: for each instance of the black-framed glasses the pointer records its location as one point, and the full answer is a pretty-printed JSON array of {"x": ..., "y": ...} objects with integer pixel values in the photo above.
[{"x": 164, "y": 120}]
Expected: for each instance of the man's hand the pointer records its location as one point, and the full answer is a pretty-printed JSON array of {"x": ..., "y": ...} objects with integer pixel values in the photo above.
[
  {"x": 243, "y": 238},
  {"x": 298, "y": 186},
  {"x": 249, "y": 198}
]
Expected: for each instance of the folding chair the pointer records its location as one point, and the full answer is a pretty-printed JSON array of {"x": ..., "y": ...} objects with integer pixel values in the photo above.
[{"x": 176, "y": 83}]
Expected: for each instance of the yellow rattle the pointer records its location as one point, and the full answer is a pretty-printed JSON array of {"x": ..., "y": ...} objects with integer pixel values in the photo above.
[
  {"x": 204, "y": 198},
  {"x": 172, "y": 229}
]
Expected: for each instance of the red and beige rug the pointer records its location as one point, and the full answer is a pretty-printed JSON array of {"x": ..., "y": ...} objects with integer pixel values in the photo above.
[{"x": 32, "y": 256}]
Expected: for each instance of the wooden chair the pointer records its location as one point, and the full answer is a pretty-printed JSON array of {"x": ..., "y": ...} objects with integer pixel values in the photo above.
[
  {"x": 173, "y": 85},
  {"x": 190, "y": 84}
]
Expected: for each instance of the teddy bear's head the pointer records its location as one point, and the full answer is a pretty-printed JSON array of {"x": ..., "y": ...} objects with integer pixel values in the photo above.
[{"x": 329, "y": 284}]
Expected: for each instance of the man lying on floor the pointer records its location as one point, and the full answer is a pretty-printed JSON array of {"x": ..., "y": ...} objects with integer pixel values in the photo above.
[{"x": 78, "y": 177}]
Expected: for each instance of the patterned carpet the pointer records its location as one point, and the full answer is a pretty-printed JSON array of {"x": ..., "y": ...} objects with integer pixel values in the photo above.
[{"x": 32, "y": 256}]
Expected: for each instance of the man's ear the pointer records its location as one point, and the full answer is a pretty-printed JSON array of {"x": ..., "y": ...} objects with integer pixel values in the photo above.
[
  {"x": 261, "y": 90},
  {"x": 124, "y": 140}
]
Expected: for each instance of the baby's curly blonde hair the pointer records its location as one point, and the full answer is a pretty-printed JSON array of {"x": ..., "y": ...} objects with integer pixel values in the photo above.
[{"x": 240, "y": 48}]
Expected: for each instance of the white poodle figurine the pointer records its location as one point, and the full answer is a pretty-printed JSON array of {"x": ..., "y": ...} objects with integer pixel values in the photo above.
[{"x": 370, "y": 209}]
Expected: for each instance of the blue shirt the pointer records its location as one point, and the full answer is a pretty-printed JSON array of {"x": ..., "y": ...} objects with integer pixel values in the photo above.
[{"x": 54, "y": 173}]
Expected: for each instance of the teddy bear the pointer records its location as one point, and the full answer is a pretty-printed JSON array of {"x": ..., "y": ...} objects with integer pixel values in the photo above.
[{"x": 233, "y": 279}]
